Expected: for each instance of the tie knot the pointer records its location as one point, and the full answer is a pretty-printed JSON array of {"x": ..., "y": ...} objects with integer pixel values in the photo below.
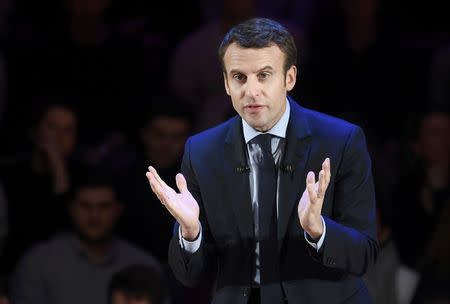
[
  {"x": 264, "y": 141},
  {"x": 263, "y": 154}
]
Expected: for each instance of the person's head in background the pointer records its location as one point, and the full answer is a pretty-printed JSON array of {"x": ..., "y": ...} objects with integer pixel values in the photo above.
[
  {"x": 259, "y": 59},
  {"x": 166, "y": 125},
  {"x": 138, "y": 284},
  {"x": 430, "y": 144},
  {"x": 94, "y": 208},
  {"x": 432, "y": 141},
  {"x": 54, "y": 129},
  {"x": 87, "y": 22}
]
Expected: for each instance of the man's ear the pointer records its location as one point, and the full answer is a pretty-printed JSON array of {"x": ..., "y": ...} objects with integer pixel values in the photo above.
[
  {"x": 225, "y": 81},
  {"x": 291, "y": 77}
]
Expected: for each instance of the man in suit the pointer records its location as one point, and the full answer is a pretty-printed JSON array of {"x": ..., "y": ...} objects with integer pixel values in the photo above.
[{"x": 322, "y": 235}]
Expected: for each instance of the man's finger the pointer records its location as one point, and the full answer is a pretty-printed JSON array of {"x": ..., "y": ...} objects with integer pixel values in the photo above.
[
  {"x": 181, "y": 183},
  {"x": 322, "y": 187},
  {"x": 157, "y": 177},
  {"x": 327, "y": 169},
  {"x": 156, "y": 187},
  {"x": 310, "y": 185}
]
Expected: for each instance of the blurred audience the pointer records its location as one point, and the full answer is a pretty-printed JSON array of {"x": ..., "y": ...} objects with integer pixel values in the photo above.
[
  {"x": 352, "y": 68},
  {"x": 389, "y": 280},
  {"x": 421, "y": 199},
  {"x": 77, "y": 266},
  {"x": 138, "y": 284},
  {"x": 76, "y": 51},
  {"x": 381, "y": 278},
  {"x": 159, "y": 141},
  {"x": 423, "y": 189},
  {"x": 440, "y": 77},
  {"x": 37, "y": 179}
]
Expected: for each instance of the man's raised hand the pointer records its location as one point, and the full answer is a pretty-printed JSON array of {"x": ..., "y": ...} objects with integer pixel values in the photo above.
[{"x": 183, "y": 207}]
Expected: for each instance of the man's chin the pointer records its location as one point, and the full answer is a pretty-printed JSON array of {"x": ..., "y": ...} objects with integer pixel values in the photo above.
[
  {"x": 94, "y": 238},
  {"x": 258, "y": 125}
]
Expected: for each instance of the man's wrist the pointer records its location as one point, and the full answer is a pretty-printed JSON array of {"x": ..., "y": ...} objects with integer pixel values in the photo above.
[
  {"x": 315, "y": 231},
  {"x": 317, "y": 243},
  {"x": 190, "y": 234}
]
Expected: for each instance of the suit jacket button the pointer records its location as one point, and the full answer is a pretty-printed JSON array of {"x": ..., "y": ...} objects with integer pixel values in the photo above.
[{"x": 246, "y": 292}]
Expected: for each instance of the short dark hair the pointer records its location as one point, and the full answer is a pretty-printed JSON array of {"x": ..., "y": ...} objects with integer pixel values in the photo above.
[
  {"x": 140, "y": 281},
  {"x": 42, "y": 104},
  {"x": 261, "y": 33},
  {"x": 90, "y": 176},
  {"x": 167, "y": 105}
]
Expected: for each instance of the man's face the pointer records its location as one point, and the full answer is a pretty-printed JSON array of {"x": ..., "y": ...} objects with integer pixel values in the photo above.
[
  {"x": 164, "y": 139},
  {"x": 257, "y": 84},
  {"x": 433, "y": 143},
  {"x": 57, "y": 129},
  {"x": 119, "y": 297},
  {"x": 95, "y": 212}
]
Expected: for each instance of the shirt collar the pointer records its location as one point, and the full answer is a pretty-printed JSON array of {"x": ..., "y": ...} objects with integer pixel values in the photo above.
[{"x": 279, "y": 129}]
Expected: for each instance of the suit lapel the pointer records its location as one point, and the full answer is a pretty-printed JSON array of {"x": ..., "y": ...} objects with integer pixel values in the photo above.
[
  {"x": 236, "y": 179},
  {"x": 298, "y": 145}
]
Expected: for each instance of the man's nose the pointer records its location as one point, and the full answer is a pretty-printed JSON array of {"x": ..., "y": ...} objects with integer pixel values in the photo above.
[{"x": 252, "y": 88}]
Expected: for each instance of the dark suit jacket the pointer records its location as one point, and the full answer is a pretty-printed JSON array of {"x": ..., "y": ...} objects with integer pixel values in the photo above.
[{"x": 211, "y": 166}]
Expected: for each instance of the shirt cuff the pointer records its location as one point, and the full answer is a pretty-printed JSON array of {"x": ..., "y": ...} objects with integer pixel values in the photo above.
[
  {"x": 319, "y": 243},
  {"x": 190, "y": 246}
]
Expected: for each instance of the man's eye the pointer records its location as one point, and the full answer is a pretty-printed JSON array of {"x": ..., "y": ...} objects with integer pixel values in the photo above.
[
  {"x": 264, "y": 75},
  {"x": 239, "y": 77}
]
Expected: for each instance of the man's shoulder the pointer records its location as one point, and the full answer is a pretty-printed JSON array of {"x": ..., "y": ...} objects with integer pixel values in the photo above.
[
  {"x": 50, "y": 250},
  {"x": 215, "y": 134},
  {"x": 323, "y": 123}
]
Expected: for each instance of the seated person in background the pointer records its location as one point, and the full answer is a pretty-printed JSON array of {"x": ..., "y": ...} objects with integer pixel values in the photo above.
[
  {"x": 37, "y": 179},
  {"x": 138, "y": 284},
  {"x": 77, "y": 267},
  {"x": 423, "y": 188},
  {"x": 159, "y": 141}
]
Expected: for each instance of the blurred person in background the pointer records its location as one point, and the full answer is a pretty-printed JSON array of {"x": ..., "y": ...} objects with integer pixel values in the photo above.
[
  {"x": 77, "y": 266},
  {"x": 421, "y": 200},
  {"x": 37, "y": 179},
  {"x": 159, "y": 139},
  {"x": 138, "y": 284}
]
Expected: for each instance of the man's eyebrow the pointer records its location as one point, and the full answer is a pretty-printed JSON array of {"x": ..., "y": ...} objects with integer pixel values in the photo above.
[
  {"x": 235, "y": 71},
  {"x": 267, "y": 67}
]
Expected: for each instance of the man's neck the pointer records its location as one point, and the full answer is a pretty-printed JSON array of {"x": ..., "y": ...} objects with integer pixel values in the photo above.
[{"x": 96, "y": 251}]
